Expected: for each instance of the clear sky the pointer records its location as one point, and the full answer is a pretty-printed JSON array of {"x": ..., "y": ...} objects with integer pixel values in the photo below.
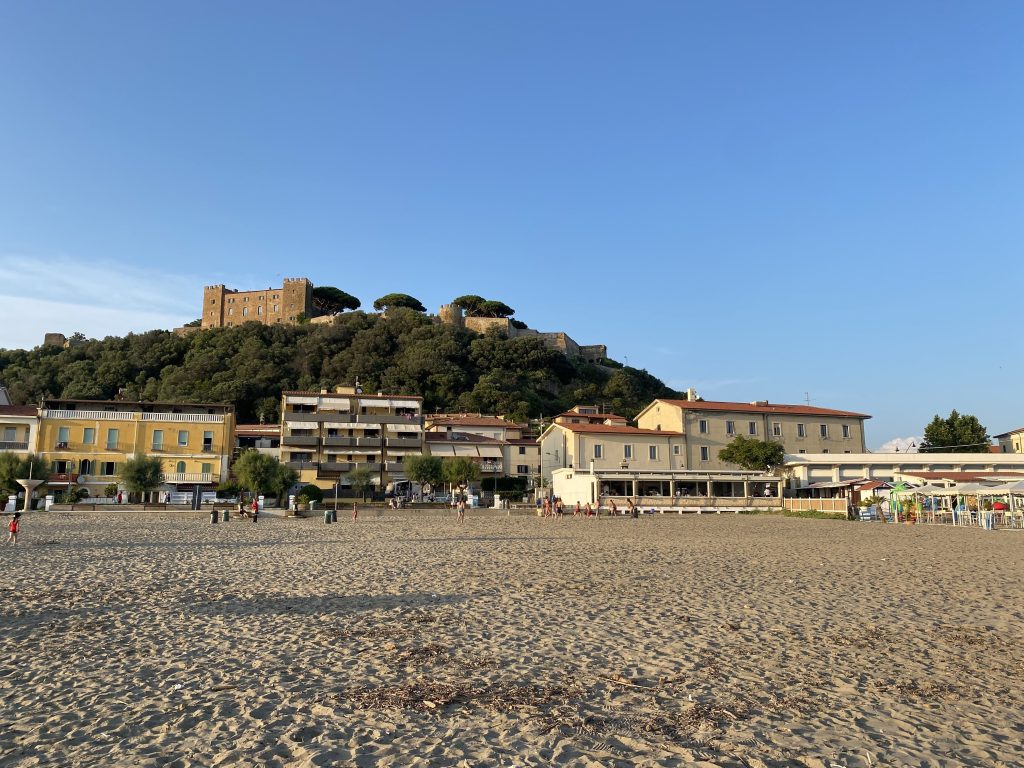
[{"x": 762, "y": 200}]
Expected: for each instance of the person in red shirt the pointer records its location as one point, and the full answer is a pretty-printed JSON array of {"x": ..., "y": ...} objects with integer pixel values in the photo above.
[
  {"x": 255, "y": 508},
  {"x": 12, "y": 529}
]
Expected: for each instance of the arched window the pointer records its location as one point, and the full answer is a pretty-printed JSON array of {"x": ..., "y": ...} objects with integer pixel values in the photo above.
[
  {"x": 86, "y": 468},
  {"x": 180, "y": 468}
]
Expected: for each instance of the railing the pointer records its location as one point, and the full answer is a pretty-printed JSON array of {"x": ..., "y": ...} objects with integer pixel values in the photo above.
[
  {"x": 191, "y": 418},
  {"x": 336, "y": 466},
  {"x": 63, "y": 477},
  {"x": 822, "y": 505},
  {"x": 490, "y": 466},
  {"x": 93, "y": 479},
  {"x": 13, "y": 446},
  {"x": 300, "y": 440},
  {"x": 692, "y": 503},
  {"x": 404, "y": 442},
  {"x": 188, "y": 477},
  {"x": 59, "y": 413},
  {"x": 353, "y": 418}
]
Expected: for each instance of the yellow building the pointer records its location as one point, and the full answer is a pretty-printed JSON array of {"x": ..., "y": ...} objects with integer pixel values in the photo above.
[
  {"x": 88, "y": 441},
  {"x": 1012, "y": 441},
  {"x": 224, "y": 307},
  {"x": 326, "y": 435},
  {"x": 709, "y": 426}
]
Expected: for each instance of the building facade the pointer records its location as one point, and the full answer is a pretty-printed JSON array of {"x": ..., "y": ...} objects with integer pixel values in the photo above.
[
  {"x": 807, "y": 469},
  {"x": 224, "y": 307},
  {"x": 18, "y": 427},
  {"x": 326, "y": 435},
  {"x": 1012, "y": 441},
  {"x": 708, "y": 427},
  {"x": 86, "y": 442}
]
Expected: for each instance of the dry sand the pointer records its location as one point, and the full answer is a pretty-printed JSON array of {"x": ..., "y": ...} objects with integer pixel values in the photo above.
[{"x": 406, "y": 639}]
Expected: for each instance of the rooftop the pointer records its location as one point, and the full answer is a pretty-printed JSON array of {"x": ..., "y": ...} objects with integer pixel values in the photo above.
[
  {"x": 18, "y": 410},
  {"x": 615, "y": 429},
  {"x": 131, "y": 405},
  {"x": 760, "y": 406}
]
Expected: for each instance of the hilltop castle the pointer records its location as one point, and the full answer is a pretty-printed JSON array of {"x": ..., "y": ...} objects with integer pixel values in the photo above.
[
  {"x": 290, "y": 303},
  {"x": 449, "y": 314}
]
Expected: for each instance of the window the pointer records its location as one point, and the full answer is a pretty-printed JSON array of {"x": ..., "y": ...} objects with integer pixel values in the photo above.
[
  {"x": 10, "y": 434},
  {"x": 652, "y": 452},
  {"x": 730, "y": 427},
  {"x": 824, "y": 450},
  {"x": 111, "y": 439},
  {"x": 207, "y": 441},
  {"x": 823, "y": 430},
  {"x": 776, "y": 429},
  {"x": 108, "y": 468},
  {"x": 277, "y": 307},
  {"x": 801, "y": 430},
  {"x": 63, "y": 435},
  {"x": 522, "y": 450},
  {"x": 207, "y": 468},
  {"x": 705, "y": 453},
  {"x": 158, "y": 439},
  {"x": 179, "y": 467},
  {"x": 627, "y": 451},
  {"x": 245, "y": 311},
  {"x": 702, "y": 426},
  {"x": 846, "y": 431},
  {"x": 751, "y": 427},
  {"x": 89, "y": 436},
  {"x": 598, "y": 451},
  {"x": 259, "y": 310},
  {"x": 803, "y": 450},
  {"x": 522, "y": 469},
  {"x": 231, "y": 310},
  {"x": 86, "y": 468},
  {"x": 675, "y": 450},
  {"x": 182, "y": 437}
]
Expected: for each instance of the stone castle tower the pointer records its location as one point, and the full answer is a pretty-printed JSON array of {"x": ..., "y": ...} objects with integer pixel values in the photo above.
[{"x": 449, "y": 314}]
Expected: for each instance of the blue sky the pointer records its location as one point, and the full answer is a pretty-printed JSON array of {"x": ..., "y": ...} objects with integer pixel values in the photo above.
[{"x": 761, "y": 200}]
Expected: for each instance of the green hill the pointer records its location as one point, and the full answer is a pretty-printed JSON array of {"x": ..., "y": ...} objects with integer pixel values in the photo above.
[{"x": 404, "y": 352}]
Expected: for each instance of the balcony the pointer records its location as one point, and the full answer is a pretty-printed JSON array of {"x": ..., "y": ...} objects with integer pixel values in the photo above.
[
  {"x": 352, "y": 418},
  {"x": 13, "y": 446},
  {"x": 299, "y": 440},
  {"x": 490, "y": 466},
  {"x": 404, "y": 442},
  {"x": 63, "y": 478},
  {"x": 59, "y": 413},
  {"x": 189, "y": 477},
  {"x": 188, "y": 418}
]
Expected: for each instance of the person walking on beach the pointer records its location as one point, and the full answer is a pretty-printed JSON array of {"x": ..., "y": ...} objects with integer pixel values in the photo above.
[
  {"x": 633, "y": 511},
  {"x": 577, "y": 510},
  {"x": 255, "y": 509},
  {"x": 461, "y": 517},
  {"x": 12, "y": 529},
  {"x": 355, "y": 512},
  {"x": 612, "y": 509},
  {"x": 588, "y": 510}
]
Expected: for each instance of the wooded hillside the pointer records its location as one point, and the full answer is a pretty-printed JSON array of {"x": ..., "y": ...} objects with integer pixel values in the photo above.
[{"x": 405, "y": 353}]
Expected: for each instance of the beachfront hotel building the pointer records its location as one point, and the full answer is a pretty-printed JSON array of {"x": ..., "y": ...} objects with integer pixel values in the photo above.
[
  {"x": 708, "y": 426},
  {"x": 326, "y": 435},
  {"x": 224, "y": 307},
  {"x": 86, "y": 442}
]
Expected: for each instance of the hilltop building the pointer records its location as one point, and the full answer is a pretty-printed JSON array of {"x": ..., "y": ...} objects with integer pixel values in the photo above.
[
  {"x": 225, "y": 307},
  {"x": 449, "y": 314}
]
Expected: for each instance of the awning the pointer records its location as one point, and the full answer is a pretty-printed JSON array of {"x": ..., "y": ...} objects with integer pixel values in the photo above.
[
  {"x": 337, "y": 425},
  {"x": 302, "y": 400},
  {"x": 464, "y": 450},
  {"x": 490, "y": 451},
  {"x": 441, "y": 449},
  {"x": 300, "y": 424}
]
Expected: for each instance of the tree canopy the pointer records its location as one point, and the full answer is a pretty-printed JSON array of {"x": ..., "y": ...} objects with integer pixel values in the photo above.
[
  {"x": 478, "y": 306},
  {"x": 424, "y": 469},
  {"x": 395, "y": 300},
  {"x": 361, "y": 480},
  {"x": 959, "y": 432},
  {"x": 459, "y": 470},
  {"x": 142, "y": 474},
  {"x": 261, "y": 473},
  {"x": 248, "y": 365},
  {"x": 753, "y": 455},
  {"x": 330, "y": 300}
]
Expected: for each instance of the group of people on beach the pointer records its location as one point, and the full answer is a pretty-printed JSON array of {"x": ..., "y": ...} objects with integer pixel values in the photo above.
[{"x": 554, "y": 507}]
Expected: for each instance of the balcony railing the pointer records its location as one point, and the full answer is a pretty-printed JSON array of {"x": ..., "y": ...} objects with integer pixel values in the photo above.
[
  {"x": 190, "y": 418},
  {"x": 404, "y": 442},
  {"x": 189, "y": 477},
  {"x": 59, "y": 413},
  {"x": 299, "y": 440},
  {"x": 353, "y": 418},
  {"x": 63, "y": 477},
  {"x": 13, "y": 446}
]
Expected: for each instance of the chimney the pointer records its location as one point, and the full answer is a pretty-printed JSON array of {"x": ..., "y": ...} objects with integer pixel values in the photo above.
[
  {"x": 691, "y": 395},
  {"x": 761, "y": 403}
]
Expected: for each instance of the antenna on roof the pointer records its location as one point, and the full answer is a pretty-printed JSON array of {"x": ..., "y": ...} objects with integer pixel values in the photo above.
[{"x": 807, "y": 397}]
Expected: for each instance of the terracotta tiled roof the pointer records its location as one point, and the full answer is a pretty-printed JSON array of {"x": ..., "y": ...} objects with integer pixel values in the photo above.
[
  {"x": 1011, "y": 432},
  {"x": 521, "y": 441},
  {"x": 18, "y": 410},
  {"x": 615, "y": 429},
  {"x": 459, "y": 437},
  {"x": 778, "y": 408},
  {"x": 472, "y": 421},
  {"x": 599, "y": 416}
]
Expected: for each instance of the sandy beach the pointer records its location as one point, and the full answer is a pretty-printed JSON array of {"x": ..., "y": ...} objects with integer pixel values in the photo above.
[{"x": 406, "y": 639}]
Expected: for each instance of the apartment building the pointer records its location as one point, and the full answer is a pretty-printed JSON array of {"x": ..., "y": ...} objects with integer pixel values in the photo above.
[
  {"x": 87, "y": 442},
  {"x": 495, "y": 427},
  {"x": 589, "y": 414},
  {"x": 486, "y": 452},
  {"x": 326, "y": 435},
  {"x": 18, "y": 427},
  {"x": 225, "y": 307},
  {"x": 709, "y": 426}
]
